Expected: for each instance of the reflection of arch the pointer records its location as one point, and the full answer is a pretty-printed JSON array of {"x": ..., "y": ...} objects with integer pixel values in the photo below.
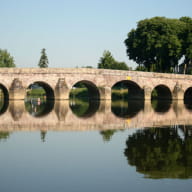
[
  {"x": 161, "y": 106},
  {"x": 48, "y": 89},
  {"x": 38, "y": 106},
  {"x": 5, "y": 100},
  {"x": 84, "y": 109},
  {"x": 161, "y": 98},
  {"x": 86, "y": 102},
  {"x": 161, "y": 92},
  {"x": 134, "y": 90},
  {"x": 188, "y": 98},
  {"x": 93, "y": 92},
  {"x": 127, "y": 109}
]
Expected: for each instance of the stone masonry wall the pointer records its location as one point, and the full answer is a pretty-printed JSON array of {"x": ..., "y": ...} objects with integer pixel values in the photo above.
[{"x": 65, "y": 78}]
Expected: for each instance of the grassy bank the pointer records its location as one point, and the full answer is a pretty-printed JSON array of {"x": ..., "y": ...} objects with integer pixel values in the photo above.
[
  {"x": 36, "y": 93},
  {"x": 83, "y": 93}
]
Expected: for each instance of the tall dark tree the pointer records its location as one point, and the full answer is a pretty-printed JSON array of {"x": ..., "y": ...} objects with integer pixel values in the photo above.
[
  {"x": 6, "y": 60},
  {"x": 107, "y": 61},
  {"x": 157, "y": 43},
  {"x": 43, "y": 62}
]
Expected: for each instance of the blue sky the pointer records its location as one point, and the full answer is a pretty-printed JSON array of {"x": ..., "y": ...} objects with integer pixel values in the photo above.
[{"x": 76, "y": 32}]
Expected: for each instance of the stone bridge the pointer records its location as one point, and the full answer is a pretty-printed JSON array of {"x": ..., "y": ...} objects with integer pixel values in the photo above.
[{"x": 58, "y": 82}]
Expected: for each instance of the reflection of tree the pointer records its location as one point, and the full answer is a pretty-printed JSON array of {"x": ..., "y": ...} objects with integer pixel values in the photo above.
[
  {"x": 107, "y": 135},
  {"x": 43, "y": 135},
  {"x": 160, "y": 153},
  {"x": 4, "y": 135}
]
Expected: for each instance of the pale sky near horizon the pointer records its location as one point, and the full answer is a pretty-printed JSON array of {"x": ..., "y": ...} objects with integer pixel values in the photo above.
[{"x": 76, "y": 32}]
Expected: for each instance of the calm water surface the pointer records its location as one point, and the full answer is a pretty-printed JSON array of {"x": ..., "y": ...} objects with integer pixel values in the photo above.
[{"x": 90, "y": 146}]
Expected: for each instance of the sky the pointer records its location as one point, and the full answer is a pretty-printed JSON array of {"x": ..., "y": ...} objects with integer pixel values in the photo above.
[{"x": 75, "y": 33}]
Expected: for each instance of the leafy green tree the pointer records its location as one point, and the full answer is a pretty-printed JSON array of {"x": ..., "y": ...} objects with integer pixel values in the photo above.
[
  {"x": 108, "y": 62},
  {"x": 6, "y": 60},
  {"x": 43, "y": 62},
  {"x": 156, "y": 43}
]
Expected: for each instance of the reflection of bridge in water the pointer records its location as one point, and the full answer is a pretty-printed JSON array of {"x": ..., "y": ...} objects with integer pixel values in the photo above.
[{"x": 16, "y": 118}]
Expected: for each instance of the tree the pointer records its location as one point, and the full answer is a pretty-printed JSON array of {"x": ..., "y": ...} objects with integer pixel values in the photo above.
[
  {"x": 6, "y": 60},
  {"x": 157, "y": 43},
  {"x": 43, "y": 62},
  {"x": 108, "y": 62}
]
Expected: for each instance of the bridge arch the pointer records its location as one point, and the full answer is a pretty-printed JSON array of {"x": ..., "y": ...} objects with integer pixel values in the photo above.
[
  {"x": 161, "y": 97},
  {"x": 127, "y": 99},
  {"x": 161, "y": 92},
  {"x": 134, "y": 91},
  {"x": 42, "y": 104},
  {"x": 48, "y": 89},
  {"x": 92, "y": 89},
  {"x": 4, "y": 99},
  {"x": 188, "y": 98},
  {"x": 84, "y": 98},
  {"x": 188, "y": 93}
]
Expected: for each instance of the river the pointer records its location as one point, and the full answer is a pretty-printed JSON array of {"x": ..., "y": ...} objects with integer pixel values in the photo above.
[{"x": 95, "y": 146}]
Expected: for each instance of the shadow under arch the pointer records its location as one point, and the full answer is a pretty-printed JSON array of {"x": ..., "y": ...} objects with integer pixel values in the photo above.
[
  {"x": 84, "y": 99},
  {"x": 188, "y": 98},
  {"x": 4, "y": 99},
  {"x": 127, "y": 99},
  {"x": 40, "y": 102},
  {"x": 161, "y": 98}
]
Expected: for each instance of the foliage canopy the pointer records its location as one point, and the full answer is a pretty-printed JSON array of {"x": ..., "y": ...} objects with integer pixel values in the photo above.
[
  {"x": 108, "y": 62},
  {"x": 159, "y": 43},
  {"x": 6, "y": 60}
]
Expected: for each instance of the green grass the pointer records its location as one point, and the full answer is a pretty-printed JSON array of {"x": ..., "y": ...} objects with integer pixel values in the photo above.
[
  {"x": 36, "y": 92},
  {"x": 83, "y": 93}
]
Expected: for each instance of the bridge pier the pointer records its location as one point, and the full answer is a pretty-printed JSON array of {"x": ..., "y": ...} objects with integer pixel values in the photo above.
[
  {"x": 16, "y": 108},
  {"x": 17, "y": 91},
  {"x": 147, "y": 93},
  {"x": 61, "y": 90},
  {"x": 105, "y": 106},
  {"x": 61, "y": 109},
  {"x": 178, "y": 93},
  {"x": 105, "y": 93}
]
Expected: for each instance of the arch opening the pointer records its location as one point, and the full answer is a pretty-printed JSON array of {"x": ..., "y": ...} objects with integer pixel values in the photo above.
[
  {"x": 84, "y": 99},
  {"x": 126, "y": 90},
  {"x": 4, "y": 99},
  {"x": 39, "y": 99},
  {"x": 127, "y": 99},
  {"x": 188, "y": 98},
  {"x": 161, "y": 98}
]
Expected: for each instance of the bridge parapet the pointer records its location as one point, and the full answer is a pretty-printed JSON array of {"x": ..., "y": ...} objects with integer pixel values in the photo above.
[{"x": 61, "y": 80}]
